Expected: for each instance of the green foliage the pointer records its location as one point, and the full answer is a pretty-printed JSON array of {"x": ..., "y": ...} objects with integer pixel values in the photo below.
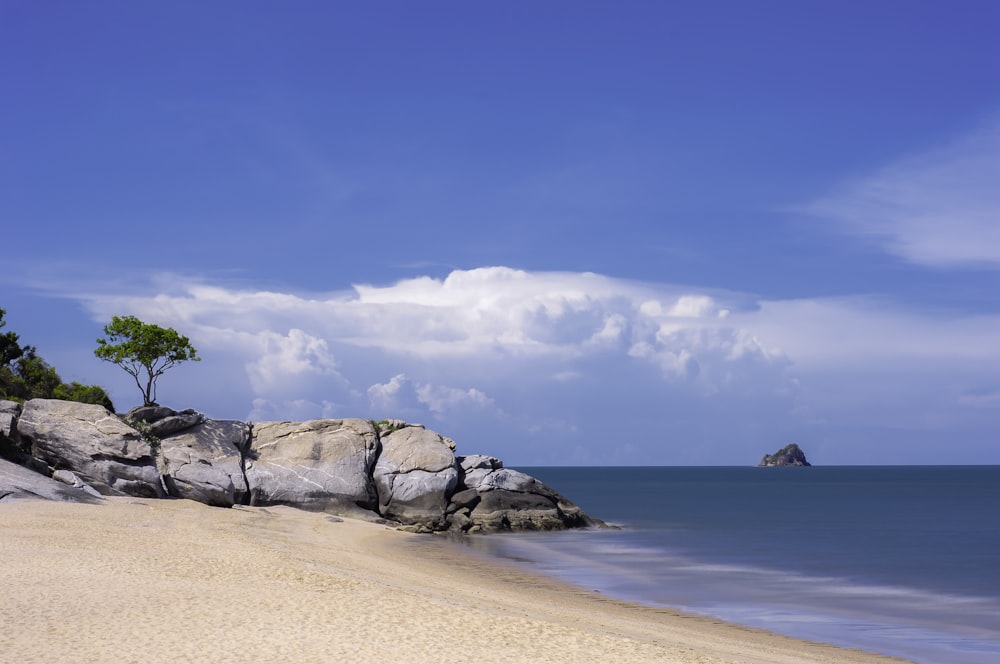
[
  {"x": 84, "y": 394},
  {"x": 145, "y": 430},
  {"x": 38, "y": 377},
  {"x": 25, "y": 375},
  {"x": 10, "y": 350},
  {"x": 145, "y": 351},
  {"x": 385, "y": 427}
]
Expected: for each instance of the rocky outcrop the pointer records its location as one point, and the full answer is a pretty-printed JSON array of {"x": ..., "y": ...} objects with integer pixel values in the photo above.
[
  {"x": 9, "y": 411},
  {"x": 789, "y": 455},
  {"x": 205, "y": 462},
  {"x": 316, "y": 465},
  {"x": 9, "y": 448},
  {"x": 415, "y": 475},
  {"x": 20, "y": 483},
  {"x": 494, "y": 498},
  {"x": 389, "y": 470},
  {"x": 96, "y": 445}
]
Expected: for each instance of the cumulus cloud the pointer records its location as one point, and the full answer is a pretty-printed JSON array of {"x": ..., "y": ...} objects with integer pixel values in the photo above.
[
  {"x": 402, "y": 396},
  {"x": 284, "y": 360},
  {"x": 940, "y": 208},
  {"x": 549, "y": 358}
]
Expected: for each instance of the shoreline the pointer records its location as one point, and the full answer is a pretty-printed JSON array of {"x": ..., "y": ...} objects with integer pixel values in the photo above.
[{"x": 142, "y": 579}]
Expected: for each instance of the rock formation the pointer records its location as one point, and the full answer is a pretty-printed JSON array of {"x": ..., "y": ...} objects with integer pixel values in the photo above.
[
  {"x": 20, "y": 483},
  {"x": 789, "y": 455},
  {"x": 399, "y": 472},
  {"x": 317, "y": 465},
  {"x": 88, "y": 440},
  {"x": 205, "y": 462},
  {"x": 494, "y": 498},
  {"x": 415, "y": 475}
]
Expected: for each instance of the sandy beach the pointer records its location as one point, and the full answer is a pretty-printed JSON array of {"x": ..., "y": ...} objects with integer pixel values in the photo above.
[{"x": 145, "y": 581}]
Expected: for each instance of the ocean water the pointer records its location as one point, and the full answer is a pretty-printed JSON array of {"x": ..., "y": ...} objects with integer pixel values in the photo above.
[{"x": 901, "y": 560}]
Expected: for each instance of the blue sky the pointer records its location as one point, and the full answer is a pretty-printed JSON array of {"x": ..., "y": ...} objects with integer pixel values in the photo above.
[{"x": 560, "y": 233}]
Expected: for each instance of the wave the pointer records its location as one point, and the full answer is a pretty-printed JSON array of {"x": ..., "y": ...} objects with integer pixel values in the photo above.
[{"x": 921, "y": 624}]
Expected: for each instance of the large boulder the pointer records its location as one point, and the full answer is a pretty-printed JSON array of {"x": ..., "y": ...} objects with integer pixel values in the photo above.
[
  {"x": 91, "y": 442},
  {"x": 316, "y": 465},
  {"x": 415, "y": 476},
  {"x": 509, "y": 500},
  {"x": 204, "y": 462},
  {"x": 19, "y": 483},
  {"x": 165, "y": 421}
]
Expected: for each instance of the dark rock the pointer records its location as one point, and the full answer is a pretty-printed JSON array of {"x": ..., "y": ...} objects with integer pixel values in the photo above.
[
  {"x": 9, "y": 412},
  {"x": 10, "y": 448},
  {"x": 512, "y": 500},
  {"x": 789, "y": 455},
  {"x": 466, "y": 498},
  {"x": 149, "y": 414}
]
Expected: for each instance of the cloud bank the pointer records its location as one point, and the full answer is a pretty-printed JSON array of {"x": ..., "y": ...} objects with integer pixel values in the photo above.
[
  {"x": 548, "y": 367},
  {"x": 940, "y": 208}
]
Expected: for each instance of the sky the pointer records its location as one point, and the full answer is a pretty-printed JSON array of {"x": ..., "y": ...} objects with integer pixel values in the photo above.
[{"x": 560, "y": 233}]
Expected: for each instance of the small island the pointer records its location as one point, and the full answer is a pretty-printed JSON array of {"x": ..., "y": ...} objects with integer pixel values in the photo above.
[{"x": 789, "y": 455}]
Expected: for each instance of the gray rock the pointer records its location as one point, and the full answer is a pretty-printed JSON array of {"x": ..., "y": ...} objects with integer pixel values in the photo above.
[
  {"x": 149, "y": 414},
  {"x": 512, "y": 500},
  {"x": 93, "y": 443},
  {"x": 509, "y": 510},
  {"x": 9, "y": 411},
  {"x": 460, "y": 522},
  {"x": 415, "y": 476},
  {"x": 19, "y": 483},
  {"x": 177, "y": 422},
  {"x": 10, "y": 447},
  {"x": 317, "y": 465},
  {"x": 478, "y": 462},
  {"x": 203, "y": 463},
  {"x": 462, "y": 499},
  {"x": 66, "y": 477},
  {"x": 504, "y": 478}
]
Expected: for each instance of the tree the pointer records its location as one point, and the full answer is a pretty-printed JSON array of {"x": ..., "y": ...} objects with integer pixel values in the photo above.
[
  {"x": 38, "y": 379},
  {"x": 10, "y": 350},
  {"x": 84, "y": 394},
  {"x": 144, "y": 351},
  {"x": 25, "y": 375}
]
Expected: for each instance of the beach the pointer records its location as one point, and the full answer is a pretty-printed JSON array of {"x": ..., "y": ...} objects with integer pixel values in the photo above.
[{"x": 137, "y": 580}]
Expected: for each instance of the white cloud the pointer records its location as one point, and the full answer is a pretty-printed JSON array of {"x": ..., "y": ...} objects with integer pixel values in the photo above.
[
  {"x": 393, "y": 397},
  {"x": 284, "y": 360},
  {"x": 401, "y": 396},
  {"x": 441, "y": 399},
  {"x": 552, "y": 358},
  {"x": 940, "y": 208}
]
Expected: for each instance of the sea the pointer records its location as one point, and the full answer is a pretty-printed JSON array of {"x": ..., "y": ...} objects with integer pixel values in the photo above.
[{"x": 899, "y": 560}]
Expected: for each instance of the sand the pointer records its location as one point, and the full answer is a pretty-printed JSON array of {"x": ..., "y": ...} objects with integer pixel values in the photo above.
[{"x": 149, "y": 581}]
